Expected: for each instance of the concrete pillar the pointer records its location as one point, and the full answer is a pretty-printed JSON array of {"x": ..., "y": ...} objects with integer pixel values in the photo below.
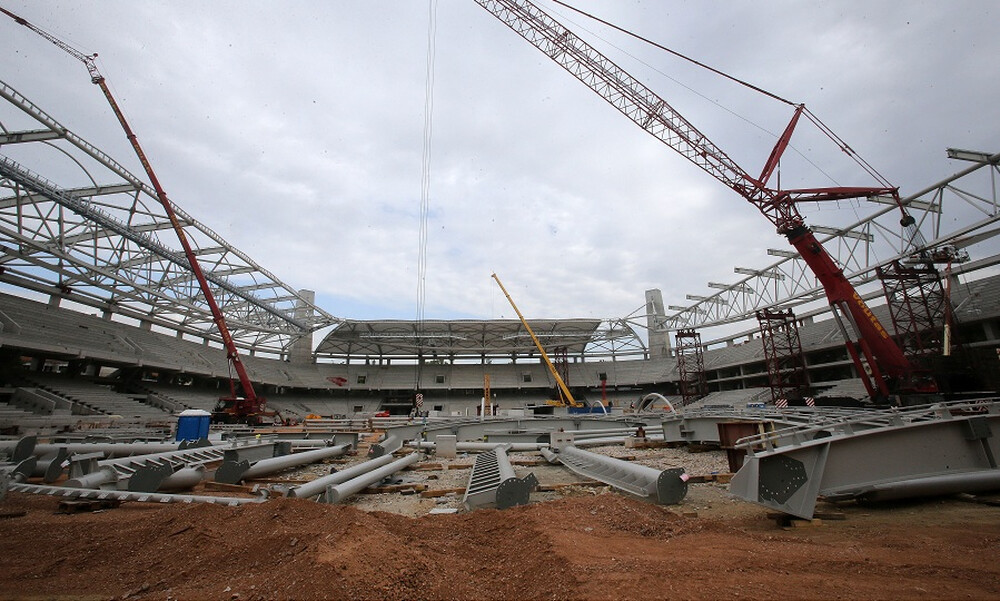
[
  {"x": 300, "y": 352},
  {"x": 659, "y": 340}
]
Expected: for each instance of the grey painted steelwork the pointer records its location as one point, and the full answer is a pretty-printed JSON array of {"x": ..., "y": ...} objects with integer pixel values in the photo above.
[
  {"x": 149, "y": 471},
  {"x": 937, "y": 449},
  {"x": 22, "y": 449},
  {"x": 138, "y": 282},
  {"x": 542, "y": 436},
  {"x": 525, "y": 429},
  {"x": 479, "y": 447},
  {"x": 318, "y": 486},
  {"x": 185, "y": 478},
  {"x": 231, "y": 472},
  {"x": 98, "y": 478},
  {"x": 666, "y": 487},
  {"x": 50, "y": 466},
  {"x": 702, "y": 425},
  {"x": 549, "y": 455},
  {"x": 314, "y": 440},
  {"x": 253, "y": 452},
  {"x": 493, "y": 482},
  {"x": 121, "y": 495},
  {"x": 108, "y": 449},
  {"x": 20, "y": 471},
  {"x": 338, "y": 492}
]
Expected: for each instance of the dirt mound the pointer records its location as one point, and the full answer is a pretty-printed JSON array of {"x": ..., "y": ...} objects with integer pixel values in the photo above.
[{"x": 604, "y": 546}]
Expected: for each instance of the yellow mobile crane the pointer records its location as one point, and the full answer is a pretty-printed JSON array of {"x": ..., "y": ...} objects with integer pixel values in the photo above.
[{"x": 568, "y": 401}]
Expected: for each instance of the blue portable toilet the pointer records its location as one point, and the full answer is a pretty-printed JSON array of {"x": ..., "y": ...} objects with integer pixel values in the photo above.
[{"x": 192, "y": 424}]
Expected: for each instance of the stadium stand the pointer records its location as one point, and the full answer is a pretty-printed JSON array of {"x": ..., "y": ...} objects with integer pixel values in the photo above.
[{"x": 115, "y": 368}]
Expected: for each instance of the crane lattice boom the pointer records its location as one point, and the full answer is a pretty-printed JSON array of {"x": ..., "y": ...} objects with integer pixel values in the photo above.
[
  {"x": 249, "y": 404},
  {"x": 653, "y": 114}
]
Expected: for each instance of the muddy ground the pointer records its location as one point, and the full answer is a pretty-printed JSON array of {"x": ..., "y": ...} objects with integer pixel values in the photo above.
[{"x": 572, "y": 542}]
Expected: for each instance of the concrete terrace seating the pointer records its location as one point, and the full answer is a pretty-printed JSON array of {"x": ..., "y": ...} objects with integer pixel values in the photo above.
[
  {"x": 843, "y": 388},
  {"x": 40, "y": 327},
  {"x": 190, "y": 397},
  {"x": 11, "y": 413},
  {"x": 62, "y": 334},
  {"x": 734, "y": 398},
  {"x": 98, "y": 397}
]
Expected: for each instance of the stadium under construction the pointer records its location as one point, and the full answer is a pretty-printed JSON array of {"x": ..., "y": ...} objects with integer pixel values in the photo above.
[{"x": 107, "y": 326}]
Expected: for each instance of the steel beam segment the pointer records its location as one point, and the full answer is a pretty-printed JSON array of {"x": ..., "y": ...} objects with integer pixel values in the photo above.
[
  {"x": 231, "y": 473},
  {"x": 51, "y": 466},
  {"x": 473, "y": 429},
  {"x": 549, "y": 455},
  {"x": 318, "y": 486},
  {"x": 122, "y": 495},
  {"x": 23, "y": 449},
  {"x": 151, "y": 469},
  {"x": 943, "y": 484},
  {"x": 936, "y": 449},
  {"x": 20, "y": 471},
  {"x": 493, "y": 483},
  {"x": 109, "y": 449},
  {"x": 185, "y": 478},
  {"x": 101, "y": 477},
  {"x": 126, "y": 466},
  {"x": 482, "y": 447},
  {"x": 338, "y": 492},
  {"x": 149, "y": 477},
  {"x": 667, "y": 487},
  {"x": 394, "y": 439}
]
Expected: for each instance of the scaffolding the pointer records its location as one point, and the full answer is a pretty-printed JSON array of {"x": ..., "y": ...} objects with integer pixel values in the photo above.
[
  {"x": 690, "y": 366},
  {"x": 786, "y": 365},
  {"x": 918, "y": 308},
  {"x": 561, "y": 356}
]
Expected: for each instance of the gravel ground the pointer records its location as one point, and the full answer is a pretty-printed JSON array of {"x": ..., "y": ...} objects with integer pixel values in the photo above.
[
  {"x": 582, "y": 542},
  {"x": 454, "y": 474}
]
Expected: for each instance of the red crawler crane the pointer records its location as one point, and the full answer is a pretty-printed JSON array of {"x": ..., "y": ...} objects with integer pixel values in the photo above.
[
  {"x": 245, "y": 407},
  {"x": 880, "y": 362}
]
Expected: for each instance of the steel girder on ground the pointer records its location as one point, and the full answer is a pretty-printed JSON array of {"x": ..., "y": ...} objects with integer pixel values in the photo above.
[
  {"x": 124, "y": 495},
  {"x": 666, "y": 487},
  {"x": 896, "y": 453},
  {"x": 88, "y": 230},
  {"x": 961, "y": 210},
  {"x": 493, "y": 483}
]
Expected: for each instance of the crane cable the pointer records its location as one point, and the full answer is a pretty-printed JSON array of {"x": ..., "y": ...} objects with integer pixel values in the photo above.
[
  {"x": 425, "y": 173},
  {"x": 675, "y": 53},
  {"x": 823, "y": 128}
]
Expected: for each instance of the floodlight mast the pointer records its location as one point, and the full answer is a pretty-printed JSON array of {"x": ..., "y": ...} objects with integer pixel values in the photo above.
[
  {"x": 243, "y": 407},
  {"x": 888, "y": 371}
]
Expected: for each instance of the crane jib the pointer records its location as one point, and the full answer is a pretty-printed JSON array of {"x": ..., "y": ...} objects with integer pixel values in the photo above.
[{"x": 654, "y": 115}]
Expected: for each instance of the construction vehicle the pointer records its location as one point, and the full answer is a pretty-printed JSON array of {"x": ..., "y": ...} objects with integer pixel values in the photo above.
[
  {"x": 242, "y": 405},
  {"x": 887, "y": 374},
  {"x": 566, "y": 397}
]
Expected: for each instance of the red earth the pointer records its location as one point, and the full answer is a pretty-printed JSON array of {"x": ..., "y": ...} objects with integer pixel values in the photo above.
[{"x": 591, "y": 544}]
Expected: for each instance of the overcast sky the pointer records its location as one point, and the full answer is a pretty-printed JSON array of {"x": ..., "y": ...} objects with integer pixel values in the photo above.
[{"x": 296, "y": 129}]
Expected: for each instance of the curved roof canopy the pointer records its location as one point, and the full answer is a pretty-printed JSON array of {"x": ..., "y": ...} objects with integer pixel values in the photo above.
[{"x": 468, "y": 338}]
